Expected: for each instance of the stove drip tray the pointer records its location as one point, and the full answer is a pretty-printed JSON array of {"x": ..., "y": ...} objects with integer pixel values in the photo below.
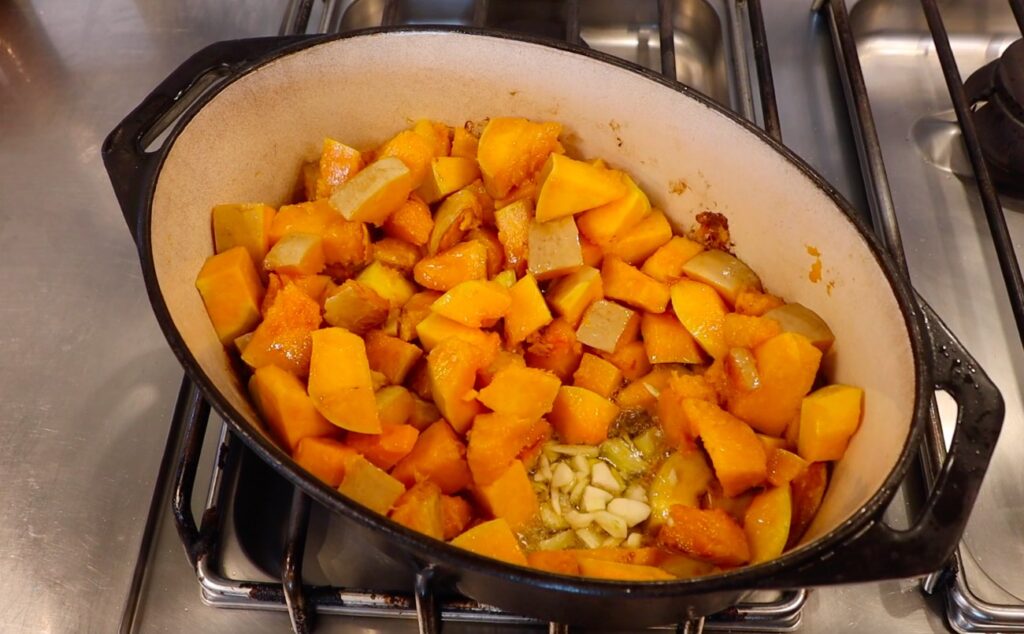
[{"x": 996, "y": 94}]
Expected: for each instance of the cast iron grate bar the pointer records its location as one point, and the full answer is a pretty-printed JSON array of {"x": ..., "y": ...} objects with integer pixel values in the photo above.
[
  {"x": 572, "y": 22},
  {"x": 1017, "y": 6},
  {"x": 667, "y": 39},
  {"x": 765, "y": 81}
]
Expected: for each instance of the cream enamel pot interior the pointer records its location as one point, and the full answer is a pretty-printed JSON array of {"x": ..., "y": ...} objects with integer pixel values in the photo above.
[{"x": 245, "y": 140}]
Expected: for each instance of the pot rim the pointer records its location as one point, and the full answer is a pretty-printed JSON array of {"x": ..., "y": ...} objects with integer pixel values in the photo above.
[{"x": 451, "y": 558}]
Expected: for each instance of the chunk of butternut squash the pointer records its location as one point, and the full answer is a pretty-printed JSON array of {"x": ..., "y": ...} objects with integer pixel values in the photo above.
[
  {"x": 748, "y": 331},
  {"x": 340, "y": 383},
  {"x": 232, "y": 292},
  {"x": 452, "y": 366},
  {"x": 447, "y": 174},
  {"x": 671, "y": 413},
  {"x": 355, "y": 307},
  {"x": 511, "y": 150},
  {"x": 297, "y": 254},
  {"x": 568, "y": 186},
  {"x": 308, "y": 217},
  {"x": 828, "y": 418},
  {"x": 464, "y": 144},
  {"x": 474, "y": 303},
  {"x": 442, "y": 272},
  {"x": 325, "y": 458},
  {"x": 555, "y": 349},
  {"x": 630, "y": 357},
  {"x": 394, "y": 405},
  {"x": 602, "y": 569},
  {"x": 666, "y": 340},
  {"x": 606, "y": 325},
  {"x": 808, "y": 489},
  {"x": 456, "y": 514},
  {"x": 286, "y": 408},
  {"x": 375, "y": 192},
  {"x": 438, "y": 134},
  {"x": 438, "y": 456},
  {"x": 603, "y": 223},
  {"x": 411, "y": 222},
  {"x": 434, "y": 329},
  {"x": 419, "y": 508},
  {"x": 783, "y": 466},
  {"x": 398, "y": 254},
  {"x": 553, "y": 248},
  {"x": 495, "y": 440},
  {"x": 283, "y": 338},
  {"x": 347, "y": 246},
  {"x": 628, "y": 285},
  {"x": 413, "y": 312},
  {"x": 756, "y": 303},
  {"x": 737, "y": 455},
  {"x": 243, "y": 225},
  {"x": 338, "y": 164},
  {"x": 459, "y": 213},
  {"x": 495, "y": 252},
  {"x": 370, "y": 486},
  {"x": 702, "y": 312},
  {"x": 387, "y": 282},
  {"x": 524, "y": 392},
  {"x": 787, "y": 365},
  {"x": 510, "y": 496},
  {"x": 767, "y": 523},
  {"x": 493, "y": 539},
  {"x": 597, "y": 375},
  {"x": 711, "y": 535},
  {"x": 581, "y": 416},
  {"x": 391, "y": 356},
  {"x": 683, "y": 478},
  {"x": 528, "y": 311},
  {"x": 415, "y": 152},
  {"x": 666, "y": 264},
  {"x": 387, "y": 448},
  {"x": 513, "y": 222},
  {"x": 571, "y": 295},
  {"x": 636, "y": 244},
  {"x": 560, "y": 562}
]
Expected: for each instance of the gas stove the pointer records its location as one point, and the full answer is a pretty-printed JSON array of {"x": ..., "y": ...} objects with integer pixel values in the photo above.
[{"x": 864, "y": 93}]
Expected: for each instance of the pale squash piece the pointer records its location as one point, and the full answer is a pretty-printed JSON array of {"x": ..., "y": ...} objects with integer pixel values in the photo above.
[
  {"x": 232, "y": 292},
  {"x": 370, "y": 486},
  {"x": 666, "y": 264},
  {"x": 597, "y": 375},
  {"x": 701, "y": 310},
  {"x": 513, "y": 222},
  {"x": 523, "y": 392},
  {"x": 510, "y": 497},
  {"x": 628, "y": 285},
  {"x": 338, "y": 164},
  {"x": 553, "y": 248},
  {"x": 388, "y": 283},
  {"x": 297, "y": 254},
  {"x": 828, "y": 418},
  {"x": 602, "y": 569},
  {"x": 783, "y": 465},
  {"x": 493, "y": 539},
  {"x": 414, "y": 151},
  {"x": 667, "y": 341},
  {"x": 636, "y": 244},
  {"x": 581, "y": 416},
  {"x": 243, "y": 225},
  {"x": 767, "y": 523},
  {"x": 527, "y": 313},
  {"x": 340, "y": 383},
  {"x": 798, "y": 318},
  {"x": 606, "y": 325},
  {"x": 286, "y": 408},
  {"x": 355, "y": 307},
  {"x": 374, "y": 193},
  {"x": 572, "y": 295},
  {"x": 683, "y": 478},
  {"x": 511, "y": 150},
  {"x": 602, "y": 224},
  {"x": 447, "y": 174},
  {"x": 459, "y": 213},
  {"x": 451, "y": 367},
  {"x": 442, "y": 272},
  {"x": 568, "y": 187},
  {"x": 474, "y": 303},
  {"x": 724, "y": 272}
]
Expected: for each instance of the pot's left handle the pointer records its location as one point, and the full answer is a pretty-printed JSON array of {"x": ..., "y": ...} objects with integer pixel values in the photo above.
[{"x": 130, "y": 165}]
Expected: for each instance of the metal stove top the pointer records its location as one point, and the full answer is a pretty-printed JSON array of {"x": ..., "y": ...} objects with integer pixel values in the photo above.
[{"x": 88, "y": 385}]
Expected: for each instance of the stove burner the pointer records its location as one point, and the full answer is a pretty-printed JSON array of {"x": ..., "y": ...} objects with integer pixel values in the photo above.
[{"x": 996, "y": 93}]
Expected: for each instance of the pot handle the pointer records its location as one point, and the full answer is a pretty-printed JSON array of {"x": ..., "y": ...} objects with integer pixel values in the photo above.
[
  {"x": 882, "y": 552},
  {"x": 131, "y": 165}
]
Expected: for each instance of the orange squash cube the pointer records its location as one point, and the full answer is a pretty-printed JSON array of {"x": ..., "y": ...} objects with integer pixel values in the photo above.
[
  {"x": 413, "y": 312},
  {"x": 419, "y": 508},
  {"x": 370, "y": 486},
  {"x": 527, "y": 313},
  {"x": 592, "y": 254},
  {"x": 495, "y": 440},
  {"x": 411, "y": 222},
  {"x": 356, "y": 307},
  {"x": 438, "y": 134},
  {"x": 438, "y": 456},
  {"x": 602, "y": 569},
  {"x": 493, "y": 539},
  {"x": 603, "y": 223},
  {"x": 502, "y": 360},
  {"x": 787, "y": 365},
  {"x": 447, "y": 174},
  {"x": 666, "y": 264},
  {"x": 385, "y": 449},
  {"x": 244, "y": 225},
  {"x": 597, "y": 375},
  {"x": 553, "y": 248},
  {"x": 413, "y": 150},
  {"x": 767, "y": 523},
  {"x": 510, "y": 497},
  {"x": 394, "y": 405},
  {"x": 459, "y": 213},
  {"x": 513, "y": 222},
  {"x": 702, "y": 312},
  {"x": 283, "y": 339},
  {"x": 568, "y": 186},
  {"x": 397, "y": 254},
  {"x": 667, "y": 341},
  {"x": 297, "y": 254},
  {"x": 391, "y": 356},
  {"x": 756, "y": 303},
  {"x": 474, "y": 303},
  {"x": 511, "y": 150},
  {"x": 286, "y": 409},
  {"x": 606, "y": 325},
  {"x": 387, "y": 282},
  {"x": 711, "y": 535},
  {"x": 630, "y": 358},
  {"x": 524, "y": 392},
  {"x": 442, "y": 272},
  {"x": 737, "y": 455},
  {"x": 555, "y": 349},
  {"x": 375, "y": 192},
  {"x": 570, "y": 296},
  {"x": 309, "y": 217},
  {"x": 464, "y": 144},
  {"x": 747, "y": 331},
  {"x": 347, "y": 246},
  {"x": 456, "y": 514},
  {"x": 828, "y": 418},
  {"x": 783, "y": 466},
  {"x": 581, "y": 416},
  {"x": 495, "y": 252},
  {"x": 628, "y": 285},
  {"x": 671, "y": 413},
  {"x": 325, "y": 458},
  {"x": 434, "y": 329},
  {"x": 338, "y": 164},
  {"x": 636, "y": 244},
  {"x": 313, "y": 285},
  {"x": 771, "y": 443},
  {"x": 452, "y": 366},
  {"x": 340, "y": 383},
  {"x": 232, "y": 292}
]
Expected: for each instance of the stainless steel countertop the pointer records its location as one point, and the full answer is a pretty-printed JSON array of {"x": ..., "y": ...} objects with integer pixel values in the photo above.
[{"x": 87, "y": 382}]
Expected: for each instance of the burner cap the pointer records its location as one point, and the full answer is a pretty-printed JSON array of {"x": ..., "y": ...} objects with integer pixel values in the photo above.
[{"x": 996, "y": 92}]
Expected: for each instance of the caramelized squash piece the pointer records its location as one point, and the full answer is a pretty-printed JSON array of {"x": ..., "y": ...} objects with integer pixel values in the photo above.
[
  {"x": 456, "y": 515},
  {"x": 555, "y": 349},
  {"x": 438, "y": 456},
  {"x": 283, "y": 339},
  {"x": 511, "y": 150},
  {"x": 495, "y": 440},
  {"x": 411, "y": 222},
  {"x": 347, "y": 247},
  {"x": 391, "y": 356},
  {"x": 493, "y": 539},
  {"x": 513, "y": 222},
  {"x": 243, "y": 225},
  {"x": 286, "y": 409},
  {"x": 413, "y": 312},
  {"x": 420, "y": 509},
  {"x": 459, "y": 213},
  {"x": 711, "y": 535},
  {"x": 325, "y": 458},
  {"x": 442, "y": 272},
  {"x": 682, "y": 479},
  {"x": 232, "y": 292},
  {"x": 630, "y": 357},
  {"x": 568, "y": 186},
  {"x": 338, "y": 164}
]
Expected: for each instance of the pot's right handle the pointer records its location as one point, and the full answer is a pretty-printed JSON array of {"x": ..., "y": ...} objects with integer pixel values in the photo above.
[
  {"x": 130, "y": 166},
  {"x": 881, "y": 552}
]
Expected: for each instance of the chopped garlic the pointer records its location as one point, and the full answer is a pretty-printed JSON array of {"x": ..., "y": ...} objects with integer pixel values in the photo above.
[
  {"x": 635, "y": 540},
  {"x": 632, "y": 511},
  {"x": 574, "y": 450},
  {"x": 611, "y": 542},
  {"x": 601, "y": 475},
  {"x": 562, "y": 477},
  {"x": 580, "y": 465},
  {"x": 558, "y": 541},
  {"x": 653, "y": 391},
  {"x": 589, "y": 537},
  {"x": 577, "y": 490},
  {"x": 579, "y": 520},
  {"x": 595, "y": 499},
  {"x": 635, "y": 492},
  {"x": 552, "y": 520},
  {"x": 611, "y": 523}
]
